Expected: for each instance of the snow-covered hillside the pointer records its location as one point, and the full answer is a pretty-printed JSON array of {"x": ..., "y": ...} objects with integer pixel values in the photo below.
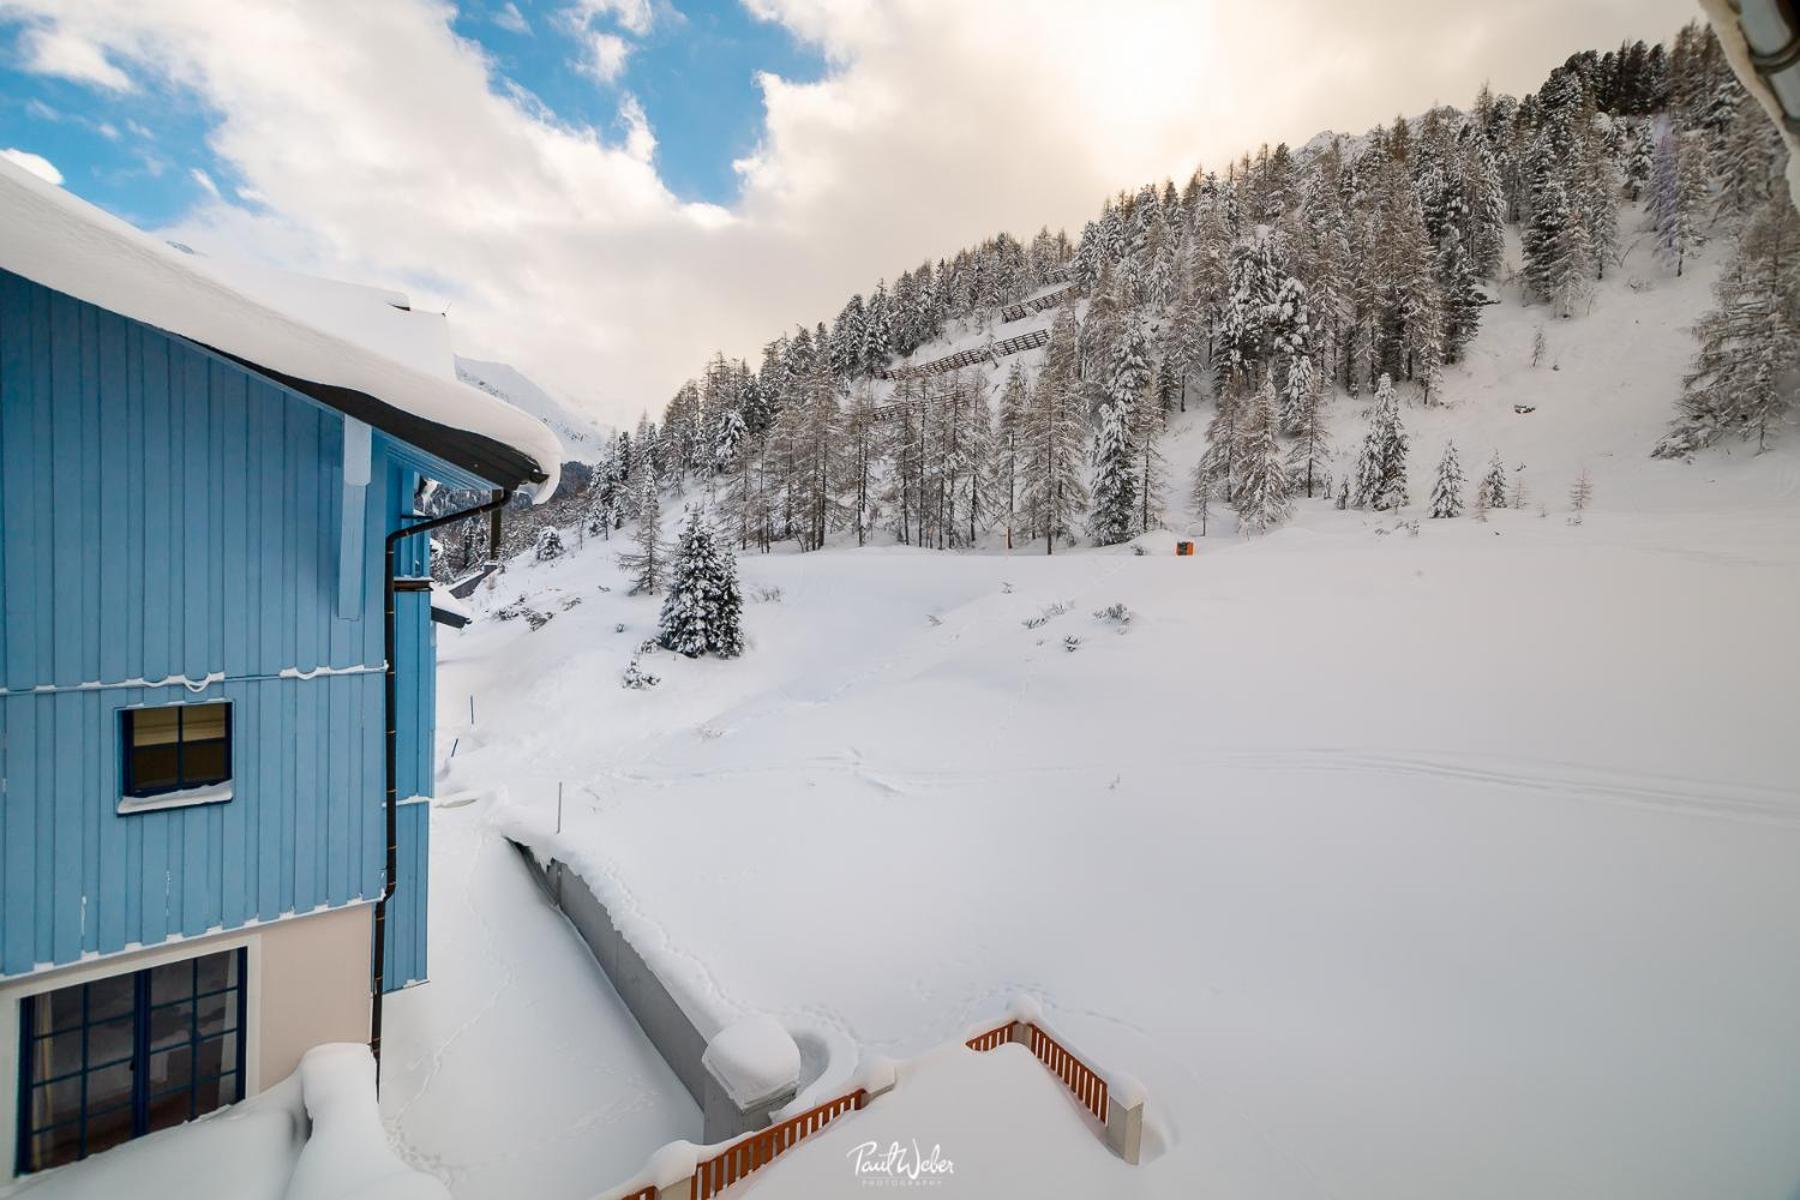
[
  {"x": 583, "y": 438},
  {"x": 1397, "y": 857}
]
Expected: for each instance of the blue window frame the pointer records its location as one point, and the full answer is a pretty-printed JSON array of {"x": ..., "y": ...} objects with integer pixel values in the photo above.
[
  {"x": 101, "y": 1063},
  {"x": 175, "y": 747}
]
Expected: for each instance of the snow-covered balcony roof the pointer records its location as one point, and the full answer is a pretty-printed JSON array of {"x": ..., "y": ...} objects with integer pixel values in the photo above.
[{"x": 60, "y": 241}]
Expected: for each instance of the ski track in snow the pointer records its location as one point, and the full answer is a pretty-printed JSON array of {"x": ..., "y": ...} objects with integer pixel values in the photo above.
[{"x": 1574, "y": 781}]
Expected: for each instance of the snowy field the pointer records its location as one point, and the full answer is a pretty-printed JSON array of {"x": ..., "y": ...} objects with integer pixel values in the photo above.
[{"x": 1457, "y": 863}]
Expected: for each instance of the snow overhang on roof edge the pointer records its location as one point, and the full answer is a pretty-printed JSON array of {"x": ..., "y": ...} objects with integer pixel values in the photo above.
[{"x": 61, "y": 242}]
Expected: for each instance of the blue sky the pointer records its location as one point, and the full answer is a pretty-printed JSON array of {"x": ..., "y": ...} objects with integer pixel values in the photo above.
[{"x": 693, "y": 71}]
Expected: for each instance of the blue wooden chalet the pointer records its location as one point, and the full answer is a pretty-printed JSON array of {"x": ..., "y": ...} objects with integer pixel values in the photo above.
[{"x": 216, "y": 671}]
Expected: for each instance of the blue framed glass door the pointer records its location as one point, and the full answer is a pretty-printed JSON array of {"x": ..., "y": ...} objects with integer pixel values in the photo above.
[{"x": 101, "y": 1063}]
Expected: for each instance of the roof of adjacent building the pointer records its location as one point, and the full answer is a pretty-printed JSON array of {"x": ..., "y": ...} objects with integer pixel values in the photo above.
[{"x": 280, "y": 326}]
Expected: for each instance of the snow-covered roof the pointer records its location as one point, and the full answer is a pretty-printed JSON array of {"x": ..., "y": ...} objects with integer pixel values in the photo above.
[
  {"x": 381, "y": 319},
  {"x": 56, "y": 239}
]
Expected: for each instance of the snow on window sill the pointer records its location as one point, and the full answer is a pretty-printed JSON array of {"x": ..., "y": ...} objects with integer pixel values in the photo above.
[{"x": 212, "y": 793}]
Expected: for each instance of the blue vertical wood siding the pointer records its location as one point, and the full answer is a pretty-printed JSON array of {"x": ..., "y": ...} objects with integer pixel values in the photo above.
[
  {"x": 171, "y": 530},
  {"x": 407, "y": 923}
]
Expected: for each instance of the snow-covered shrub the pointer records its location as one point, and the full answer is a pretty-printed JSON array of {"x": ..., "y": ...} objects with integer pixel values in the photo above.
[
  {"x": 1071, "y": 643},
  {"x": 636, "y": 678},
  {"x": 766, "y": 595},
  {"x": 549, "y": 544},
  {"x": 518, "y": 608},
  {"x": 703, "y": 613},
  {"x": 1118, "y": 614}
]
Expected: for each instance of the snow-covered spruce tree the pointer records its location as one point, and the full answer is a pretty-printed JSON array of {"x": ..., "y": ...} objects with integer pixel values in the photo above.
[
  {"x": 549, "y": 544},
  {"x": 1639, "y": 160},
  {"x": 1558, "y": 261},
  {"x": 1742, "y": 381},
  {"x": 647, "y": 564},
  {"x": 703, "y": 612},
  {"x": 1486, "y": 199},
  {"x": 728, "y": 434},
  {"x": 1463, "y": 299},
  {"x": 1299, "y": 386},
  {"x": 1261, "y": 495},
  {"x": 1255, "y": 276},
  {"x": 1129, "y": 388},
  {"x": 1381, "y": 469},
  {"x": 1115, "y": 481},
  {"x": 1446, "y": 492},
  {"x": 603, "y": 505},
  {"x": 1492, "y": 491}
]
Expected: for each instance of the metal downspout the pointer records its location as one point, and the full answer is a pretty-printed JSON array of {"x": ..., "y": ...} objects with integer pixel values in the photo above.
[{"x": 389, "y": 634}]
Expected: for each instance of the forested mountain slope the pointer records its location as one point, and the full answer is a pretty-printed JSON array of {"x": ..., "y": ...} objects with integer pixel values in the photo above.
[{"x": 1268, "y": 301}]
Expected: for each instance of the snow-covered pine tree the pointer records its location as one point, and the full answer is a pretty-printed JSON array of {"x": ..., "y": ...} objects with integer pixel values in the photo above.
[
  {"x": 1201, "y": 487},
  {"x": 1308, "y": 461},
  {"x": 1678, "y": 194},
  {"x": 1115, "y": 480},
  {"x": 703, "y": 612},
  {"x": 549, "y": 544},
  {"x": 1492, "y": 491},
  {"x": 1742, "y": 378},
  {"x": 1581, "y": 494},
  {"x": 1596, "y": 195},
  {"x": 1261, "y": 495},
  {"x": 1446, "y": 492},
  {"x": 647, "y": 564},
  {"x": 1223, "y": 435},
  {"x": 1381, "y": 469},
  {"x": 1747, "y": 162},
  {"x": 817, "y": 431},
  {"x": 1183, "y": 344},
  {"x": 860, "y": 456},
  {"x": 1007, "y": 461},
  {"x": 1052, "y": 435}
]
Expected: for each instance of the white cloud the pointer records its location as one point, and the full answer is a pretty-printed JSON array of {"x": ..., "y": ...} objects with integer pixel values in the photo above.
[
  {"x": 604, "y": 55},
  {"x": 205, "y": 181},
  {"x": 57, "y": 51},
  {"x": 37, "y": 164},
  {"x": 633, "y": 16},
  {"x": 381, "y": 147},
  {"x": 509, "y": 18}
]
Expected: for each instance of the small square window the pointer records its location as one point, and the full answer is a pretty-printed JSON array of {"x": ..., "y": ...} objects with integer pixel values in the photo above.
[{"x": 176, "y": 753}]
